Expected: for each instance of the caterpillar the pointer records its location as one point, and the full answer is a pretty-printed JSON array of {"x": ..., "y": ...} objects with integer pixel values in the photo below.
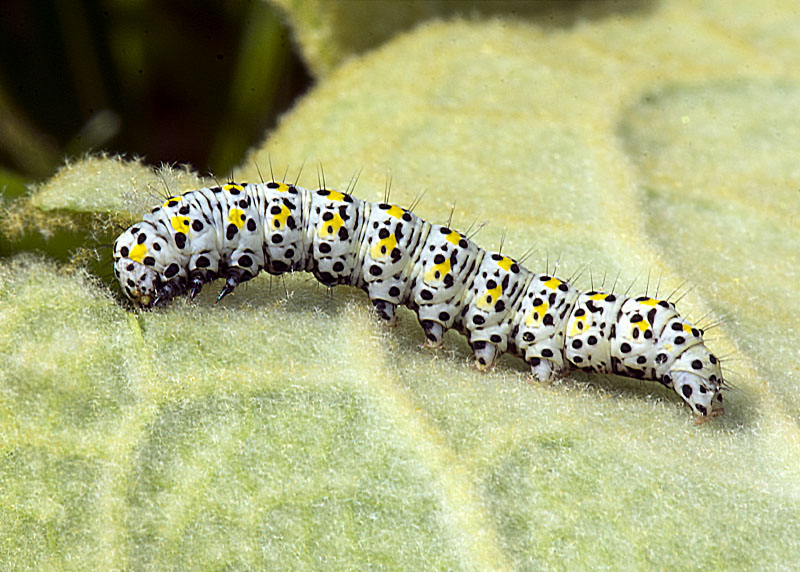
[{"x": 233, "y": 231}]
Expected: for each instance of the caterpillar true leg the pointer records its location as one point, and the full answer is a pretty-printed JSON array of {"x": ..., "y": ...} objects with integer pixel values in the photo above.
[
  {"x": 196, "y": 282},
  {"x": 237, "y": 230},
  {"x": 233, "y": 277}
]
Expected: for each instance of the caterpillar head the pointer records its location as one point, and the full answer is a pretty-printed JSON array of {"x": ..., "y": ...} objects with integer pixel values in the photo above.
[
  {"x": 134, "y": 268},
  {"x": 697, "y": 377}
]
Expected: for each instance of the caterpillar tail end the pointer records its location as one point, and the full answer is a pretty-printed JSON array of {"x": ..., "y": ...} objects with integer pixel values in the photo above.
[{"x": 697, "y": 377}]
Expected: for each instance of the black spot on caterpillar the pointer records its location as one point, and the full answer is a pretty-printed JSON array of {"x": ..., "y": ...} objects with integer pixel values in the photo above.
[{"x": 234, "y": 231}]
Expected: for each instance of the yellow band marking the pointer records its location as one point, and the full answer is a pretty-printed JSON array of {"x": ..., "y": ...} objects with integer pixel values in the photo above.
[
  {"x": 643, "y": 326},
  {"x": 331, "y": 227},
  {"x": 237, "y": 217},
  {"x": 553, "y": 283},
  {"x": 438, "y": 272},
  {"x": 383, "y": 248},
  {"x": 138, "y": 253},
  {"x": 279, "y": 220},
  {"x": 578, "y": 325},
  {"x": 453, "y": 237},
  {"x": 505, "y": 263},
  {"x": 180, "y": 223},
  {"x": 396, "y": 212},
  {"x": 493, "y": 293},
  {"x": 541, "y": 309}
]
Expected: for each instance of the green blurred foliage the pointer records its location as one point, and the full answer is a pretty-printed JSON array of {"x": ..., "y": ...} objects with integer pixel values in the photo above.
[{"x": 182, "y": 81}]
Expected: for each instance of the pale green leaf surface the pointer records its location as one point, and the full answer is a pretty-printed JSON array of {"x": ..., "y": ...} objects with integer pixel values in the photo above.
[
  {"x": 111, "y": 185},
  {"x": 297, "y": 433}
]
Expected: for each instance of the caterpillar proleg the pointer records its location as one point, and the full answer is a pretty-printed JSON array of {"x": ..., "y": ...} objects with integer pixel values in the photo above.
[{"x": 234, "y": 231}]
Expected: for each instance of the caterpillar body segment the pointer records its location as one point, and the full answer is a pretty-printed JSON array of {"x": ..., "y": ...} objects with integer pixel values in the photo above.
[
  {"x": 540, "y": 325},
  {"x": 492, "y": 304},
  {"x": 388, "y": 251},
  {"x": 439, "y": 278},
  {"x": 234, "y": 231}
]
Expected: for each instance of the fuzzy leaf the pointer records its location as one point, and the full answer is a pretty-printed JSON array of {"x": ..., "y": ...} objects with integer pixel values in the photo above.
[{"x": 297, "y": 433}]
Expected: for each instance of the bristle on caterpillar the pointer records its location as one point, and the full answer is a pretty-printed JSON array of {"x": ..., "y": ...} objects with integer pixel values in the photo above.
[{"x": 234, "y": 231}]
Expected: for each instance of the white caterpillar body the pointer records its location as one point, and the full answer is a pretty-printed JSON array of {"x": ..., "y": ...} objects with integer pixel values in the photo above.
[{"x": 237, "y": 230}]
